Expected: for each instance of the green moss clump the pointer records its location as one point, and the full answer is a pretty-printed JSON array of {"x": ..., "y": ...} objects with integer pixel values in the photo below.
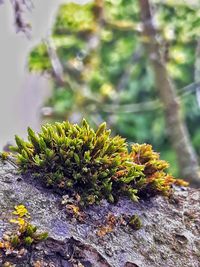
[
  {"x": 23, "y": 235},
  {"x": 92, "y": 164},
  {"x": 135, "y": 222}
]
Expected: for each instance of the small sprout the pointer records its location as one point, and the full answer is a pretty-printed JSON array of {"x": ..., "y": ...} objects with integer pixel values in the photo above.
[
  {"x": 15, "y": 241},
  {"x": 28, "y": 240},
  {"x": 20, "y": 221},
  {"x": 4, "y": 155},
  {"x": 91, "y": 199},
  {"x": 111, "y": 198},
  {"x": 24, "y": 235},
  {"x": 135, "y": 222},
  {"x": 30, "y": 230},
  {"x": 180, "y": 182},
  {"x": 42, "y": 236},
  {"x": 21, "y": 211},
  {"x": 101, "y": 129}
]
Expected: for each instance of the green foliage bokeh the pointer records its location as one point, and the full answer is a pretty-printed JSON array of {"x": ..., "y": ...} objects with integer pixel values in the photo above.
[{"x": 106, "y": 83}]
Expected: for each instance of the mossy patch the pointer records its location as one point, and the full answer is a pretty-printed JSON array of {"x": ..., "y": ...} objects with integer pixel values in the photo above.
[
  {"x": 23, "y": 236},
  {"x": 92, "y": 164}
]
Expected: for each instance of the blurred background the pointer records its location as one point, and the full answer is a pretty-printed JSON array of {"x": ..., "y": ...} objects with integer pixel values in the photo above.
[{"x": 134, "y": 64}]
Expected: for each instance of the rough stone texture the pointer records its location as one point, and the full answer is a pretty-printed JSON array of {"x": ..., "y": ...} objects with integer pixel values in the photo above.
[{"x": 169, "y": 236}]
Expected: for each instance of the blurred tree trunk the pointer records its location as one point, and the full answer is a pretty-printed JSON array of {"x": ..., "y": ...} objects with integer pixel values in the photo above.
[
  {"x": 176, "y": 128},
  {"x": 197, "y": 71}
]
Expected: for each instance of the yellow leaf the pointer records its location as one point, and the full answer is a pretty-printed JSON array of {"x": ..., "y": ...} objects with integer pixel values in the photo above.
[
  {"x": 19, "y": 221},
  {"x": 1, "y": 245},
  {"x": 20, "y": 210},
  {"x": 14, "y": 221}
]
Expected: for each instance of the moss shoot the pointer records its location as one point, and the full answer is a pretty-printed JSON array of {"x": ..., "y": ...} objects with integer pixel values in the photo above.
[
  {"x": 22, "y": 236},
  {"x": 92, "y": 164}
]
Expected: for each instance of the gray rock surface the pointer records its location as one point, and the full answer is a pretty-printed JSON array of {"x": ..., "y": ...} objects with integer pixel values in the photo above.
[{"x": 170, "y": 235}]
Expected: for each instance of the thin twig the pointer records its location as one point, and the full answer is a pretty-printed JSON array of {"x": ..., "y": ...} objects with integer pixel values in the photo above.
[{"x": 19, "y": 8}]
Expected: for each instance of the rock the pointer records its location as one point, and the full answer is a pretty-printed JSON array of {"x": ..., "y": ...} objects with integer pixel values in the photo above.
[{"x": 169, "y": 237}]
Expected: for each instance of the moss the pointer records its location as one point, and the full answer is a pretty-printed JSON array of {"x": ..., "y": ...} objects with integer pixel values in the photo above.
[
  {"x": 92, "y": 164},
  {"x": 135, "y": 222},
  {"x": 4, "y": 155},
  {"x": 23, "y": 235}
]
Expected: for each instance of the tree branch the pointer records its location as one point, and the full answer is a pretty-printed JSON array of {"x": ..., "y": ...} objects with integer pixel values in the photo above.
[
  {"x": 197, "y": 71},
  {"x": 125, "y": 77},
  {"x": 19, "y": 8},
  {"x": 55, "y": 62},
  {"x": 176, "y": 127}
]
